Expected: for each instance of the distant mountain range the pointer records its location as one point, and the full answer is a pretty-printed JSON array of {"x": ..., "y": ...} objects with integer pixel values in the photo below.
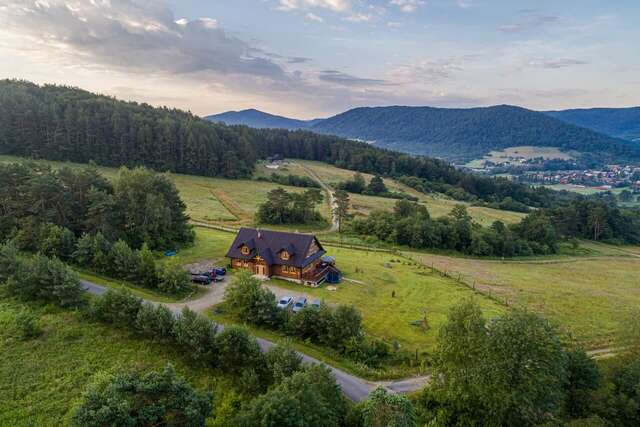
[
  {"x": 618, "y": 122},
  {"x": 463, "y": 134},
  {"x": 260, "y": 120}
]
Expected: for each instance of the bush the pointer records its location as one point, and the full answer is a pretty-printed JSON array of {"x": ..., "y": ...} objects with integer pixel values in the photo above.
[
  {"x": 283, "y": 361},
  {"x": 383, "y": 409},
  {"x": 196, "y": 335},
  {"x": 251, "y": 302},
  {"x": 146, "y": 271},
  {"x": 173, "y": 278},
  {"x": 8, "y": 261},
  {"x": 137, "y": 399},
  {"x": 156, "y": 322},
  {"x": 123, "y": 261},
  {"x": 44, "y": 279},
  {"x": 238, "y": 350},
  {"x": 27, "y": 325},
  {"x": 119, "y": 307}
]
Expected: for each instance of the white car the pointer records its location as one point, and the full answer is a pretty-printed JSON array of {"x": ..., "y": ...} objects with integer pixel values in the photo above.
[
  {"x": 285, "y": 302},
  {"x": 300, "y": 304}
]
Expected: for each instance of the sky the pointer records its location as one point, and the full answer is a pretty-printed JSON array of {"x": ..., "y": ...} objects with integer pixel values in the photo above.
[{"x": 315, "y": 58}]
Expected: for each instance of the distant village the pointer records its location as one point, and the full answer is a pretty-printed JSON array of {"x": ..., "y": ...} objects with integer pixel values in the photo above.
[{"x": 607, "y": 178}]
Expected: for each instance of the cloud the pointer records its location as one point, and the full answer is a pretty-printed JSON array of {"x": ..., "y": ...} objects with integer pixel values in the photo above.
[
  {"x": 134, "y": 35},
  {"x": 313, "y": 17},
  {"x": 407, "y": 6},
  {"x": 532, "y": 20},
  {"x": 334, "y": 5},
  {"x": 359, "y": 17},
  {"x": 555, "y": 63},
  {"x": 338, "y": 77}
]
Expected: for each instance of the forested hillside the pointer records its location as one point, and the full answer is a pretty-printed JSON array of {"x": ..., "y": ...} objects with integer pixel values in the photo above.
[
  {"x": 464, "y": 134},
  {"x": 618, "y": 122},
  {"x": 61, "y": 123}
]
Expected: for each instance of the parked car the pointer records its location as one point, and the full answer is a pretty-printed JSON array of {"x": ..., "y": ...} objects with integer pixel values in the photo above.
[
  {"x": 220, "y": 271},
  {"x": 201, "y": 279},
  {"x": 301, "y": 303},
  {"x": 285, "y": 302},
  {"x": 316, "y": 304}
]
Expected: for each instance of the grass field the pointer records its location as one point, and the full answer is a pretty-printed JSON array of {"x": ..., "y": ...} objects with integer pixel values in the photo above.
[
  {"x": 417, "y": 290},
  {"x": 41, "y": 379},
  {"x": 586, "y": 296}
]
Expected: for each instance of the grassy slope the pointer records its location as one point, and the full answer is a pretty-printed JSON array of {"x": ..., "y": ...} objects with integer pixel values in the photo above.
[
  {"x": 234, "y": 202},
  {"x": 587, "y": 296},
  {"x": 417, "y": 290},
  {"x": 437, "y": 204},
  {"x": 41, "y": 378}
]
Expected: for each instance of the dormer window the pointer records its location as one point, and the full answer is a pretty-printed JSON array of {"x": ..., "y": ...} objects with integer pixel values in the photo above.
[
  {"x": 284, "y": 255},
  {"x": 244, "y": 250}
]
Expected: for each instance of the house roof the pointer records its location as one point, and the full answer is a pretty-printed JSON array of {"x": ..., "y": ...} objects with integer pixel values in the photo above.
[{"x": 268, "y": 244}]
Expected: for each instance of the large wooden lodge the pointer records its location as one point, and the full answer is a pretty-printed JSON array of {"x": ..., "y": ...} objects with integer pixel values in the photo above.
[{"x": 291, "y": 256}]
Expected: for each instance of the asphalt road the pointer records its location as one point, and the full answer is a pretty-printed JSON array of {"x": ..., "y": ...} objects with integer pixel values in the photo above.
[{"x": 355, "y": 388}]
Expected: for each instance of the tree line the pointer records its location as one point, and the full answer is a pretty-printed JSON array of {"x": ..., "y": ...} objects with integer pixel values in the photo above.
[
  {"x": 63, "y": 123},
  {"x": 410, "y": 224},
  {"x": 79, "y": 217},
  {"x": 283, "y": 207}
]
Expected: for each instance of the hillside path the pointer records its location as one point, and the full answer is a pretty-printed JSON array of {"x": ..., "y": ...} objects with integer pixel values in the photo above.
[
  {"x": 333, "y": 203},
  {"x": 355, "y": 388}
]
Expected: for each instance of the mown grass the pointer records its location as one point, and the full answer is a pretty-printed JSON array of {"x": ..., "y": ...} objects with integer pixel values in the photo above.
[
  {"x": 587, "y": 296},
  {"x": 41, "y": 379},
  {"x": 416, "y": 290}
]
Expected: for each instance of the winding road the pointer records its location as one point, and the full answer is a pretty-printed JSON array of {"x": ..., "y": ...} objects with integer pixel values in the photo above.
[{"x": 355, "y": 388}]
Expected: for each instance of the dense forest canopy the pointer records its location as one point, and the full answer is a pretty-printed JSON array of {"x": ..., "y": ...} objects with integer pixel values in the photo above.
[
  {"x": 465, "y": 134},
  {"x": 618, "y": 122},
  {"x": 62, "y": 123}
]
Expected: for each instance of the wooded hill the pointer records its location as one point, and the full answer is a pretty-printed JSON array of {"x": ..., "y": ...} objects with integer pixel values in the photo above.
[
  {"x": 617, "y": 122},
  {"x": 62, "y": 123},
  {"x": 465, "y": 134}
]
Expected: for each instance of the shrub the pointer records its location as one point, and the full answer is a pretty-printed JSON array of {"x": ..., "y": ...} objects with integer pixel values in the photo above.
[
  {"x": 173, "y": 278},
  {"x": 238, "y": 350},
  {"x": 137, "y": 399},
  {"x": 251, "y": 302},
  {"x": 27, "y": 325},
  {"x": 196, "y": 334},
  {"x": 117, "y": 306},
  {"x": 8, "y": 261},
  {"x": 146, "y": 272},
  {"x": 123, "y": 261},
  {"x": 49, "y": 280},
  {"x": 156, "y": 322},
  {"x": 383, "y": 409},
  {"x": 283, "y": 361}
]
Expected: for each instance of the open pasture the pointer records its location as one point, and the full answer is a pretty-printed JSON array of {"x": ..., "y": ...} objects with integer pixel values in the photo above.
[{"x": 588, "y": 296}]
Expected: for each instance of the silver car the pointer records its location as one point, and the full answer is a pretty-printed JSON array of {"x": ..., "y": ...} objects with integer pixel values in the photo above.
[
  {"x": 301, "y": 303},
  {"x": 285, "y": 302}
]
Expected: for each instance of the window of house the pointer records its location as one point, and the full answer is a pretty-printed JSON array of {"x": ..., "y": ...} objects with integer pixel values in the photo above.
[
  {"x": 284, "y": 255},
  {"x": 244, "y": 250}
]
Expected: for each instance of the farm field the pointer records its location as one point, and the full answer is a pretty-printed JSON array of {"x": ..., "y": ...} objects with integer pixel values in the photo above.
[
  {"x": 586, "y": 296},
  {"x": 41, "y": 378}
]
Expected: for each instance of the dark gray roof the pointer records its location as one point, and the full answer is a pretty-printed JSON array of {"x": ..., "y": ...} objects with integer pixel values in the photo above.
[{"x": 268, "y": 244}]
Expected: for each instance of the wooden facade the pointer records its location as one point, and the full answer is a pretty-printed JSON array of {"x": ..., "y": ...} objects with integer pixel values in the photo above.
[{"x": 267, "y": 253}]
